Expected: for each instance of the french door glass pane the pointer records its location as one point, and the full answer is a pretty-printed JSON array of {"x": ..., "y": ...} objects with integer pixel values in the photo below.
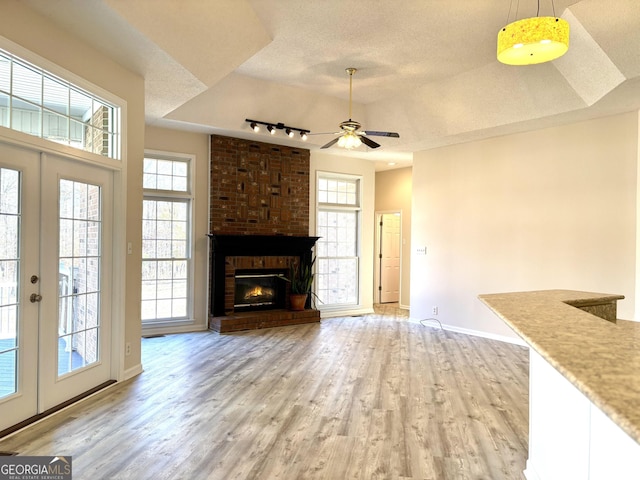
[
  {"x": 80, "y": 226},
  {"x": 9, "y": 279}
]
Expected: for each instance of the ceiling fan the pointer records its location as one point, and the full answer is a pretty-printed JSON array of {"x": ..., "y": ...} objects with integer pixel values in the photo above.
[{"x": 349, "y": 136}]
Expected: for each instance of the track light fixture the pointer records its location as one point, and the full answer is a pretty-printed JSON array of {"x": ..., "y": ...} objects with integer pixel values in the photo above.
[{"x": 272, "y": 127}]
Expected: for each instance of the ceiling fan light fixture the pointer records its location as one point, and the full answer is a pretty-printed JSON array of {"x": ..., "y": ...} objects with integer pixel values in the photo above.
[
  {"x": 349, "y": 141},
  {"x": 533, "y": 40}
]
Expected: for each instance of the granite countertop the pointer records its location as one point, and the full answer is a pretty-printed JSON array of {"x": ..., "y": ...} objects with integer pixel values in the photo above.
[{"x": 601, "y": 358}]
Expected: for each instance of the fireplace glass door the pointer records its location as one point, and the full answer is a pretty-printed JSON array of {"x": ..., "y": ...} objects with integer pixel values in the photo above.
[{"x": 258, "y": 290}]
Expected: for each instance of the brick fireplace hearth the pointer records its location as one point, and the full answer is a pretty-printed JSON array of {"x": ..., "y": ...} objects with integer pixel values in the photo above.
[{"x": 259, "y": 222}]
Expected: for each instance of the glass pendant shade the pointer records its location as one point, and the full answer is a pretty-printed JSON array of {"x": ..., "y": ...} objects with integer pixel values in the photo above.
[
  {"x": 533, "y": 40},
  {"x": 349, "y": 140}
]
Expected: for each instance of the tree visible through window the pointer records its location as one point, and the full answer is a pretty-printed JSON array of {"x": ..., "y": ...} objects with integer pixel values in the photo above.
[{"x": 166, "y": 240}]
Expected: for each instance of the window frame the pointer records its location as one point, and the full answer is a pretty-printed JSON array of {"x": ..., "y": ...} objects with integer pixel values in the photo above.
[
  {"x": 46, "y": 113},
  {"x": 48, "y": 146},
  {"x": 189, "y": 198},
  {"x": 344, "y": 207}
]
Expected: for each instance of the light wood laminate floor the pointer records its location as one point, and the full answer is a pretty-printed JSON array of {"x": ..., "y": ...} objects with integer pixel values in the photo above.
[{"x": 371, "y": 397}]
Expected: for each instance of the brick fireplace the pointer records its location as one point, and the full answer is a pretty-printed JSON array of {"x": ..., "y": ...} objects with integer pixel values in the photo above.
[{"x": 259, "y": 225}]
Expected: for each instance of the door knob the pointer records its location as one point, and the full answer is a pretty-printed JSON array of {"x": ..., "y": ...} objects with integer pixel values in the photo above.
[{"x": 35, "y": 298}]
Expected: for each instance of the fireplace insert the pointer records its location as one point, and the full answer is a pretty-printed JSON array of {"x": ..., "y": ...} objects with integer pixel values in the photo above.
[{"x": 259, "y": 289}]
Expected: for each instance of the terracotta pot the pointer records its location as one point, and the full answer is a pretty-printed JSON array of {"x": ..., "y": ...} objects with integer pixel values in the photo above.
[{"x": 297, "y": 301}]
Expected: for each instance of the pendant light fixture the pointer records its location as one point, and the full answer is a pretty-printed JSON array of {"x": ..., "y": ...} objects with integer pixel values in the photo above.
[{"x": 533, "y": 40}]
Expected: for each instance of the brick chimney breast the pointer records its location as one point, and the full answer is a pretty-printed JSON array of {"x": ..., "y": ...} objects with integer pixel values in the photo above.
[{"x": 258, "y": 188}]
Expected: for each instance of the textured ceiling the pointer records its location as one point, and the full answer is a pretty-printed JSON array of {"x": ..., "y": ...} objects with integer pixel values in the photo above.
[{"x": 426, "y": 68}]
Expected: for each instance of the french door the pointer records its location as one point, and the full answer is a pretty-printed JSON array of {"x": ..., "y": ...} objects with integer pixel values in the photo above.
[{"x": 55, "y": 280}]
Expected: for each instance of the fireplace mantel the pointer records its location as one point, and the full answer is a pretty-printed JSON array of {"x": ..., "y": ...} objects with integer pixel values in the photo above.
[
  {"x": 228, "y": 245},
  {"x": 223, "y": 246}
]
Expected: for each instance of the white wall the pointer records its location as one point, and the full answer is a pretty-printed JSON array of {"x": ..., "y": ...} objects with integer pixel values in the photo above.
[
  {"x": 197, "y": 144},
  {"x": 553, "y": 208},
  {"x": 325, "y": 162},
  {"x": 393, "y": 192}
]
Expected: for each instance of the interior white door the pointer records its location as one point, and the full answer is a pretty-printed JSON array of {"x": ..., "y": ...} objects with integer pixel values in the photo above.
[
  {"x": 19, "y": 279},
  {"x": 75, "y": 252},
  {"x": 390, "y": 258}
]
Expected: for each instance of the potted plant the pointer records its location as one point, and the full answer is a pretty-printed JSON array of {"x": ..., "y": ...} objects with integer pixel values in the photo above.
[{"x": 301, "y": 278}]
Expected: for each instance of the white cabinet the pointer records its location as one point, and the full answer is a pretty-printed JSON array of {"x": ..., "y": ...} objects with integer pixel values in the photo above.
[
  {"x": 614, "y": 454},
  {"x": 569, "y": 437}
]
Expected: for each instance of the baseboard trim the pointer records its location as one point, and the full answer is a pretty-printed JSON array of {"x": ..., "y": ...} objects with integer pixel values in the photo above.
[
  {"x": 433, "y": 322},
  {"x": 345, "y": 313},
  {"x": 175, "y": 328},
  {"x": 133, "y": 372}
]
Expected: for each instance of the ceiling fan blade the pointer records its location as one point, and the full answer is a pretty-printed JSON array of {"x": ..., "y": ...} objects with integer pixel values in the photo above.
[
  {"x": 331, "y": 143},
  {"x": 326, "y": 133},
  {"x": 373, "y": 133},
  {"x": 368, "y": 142}
]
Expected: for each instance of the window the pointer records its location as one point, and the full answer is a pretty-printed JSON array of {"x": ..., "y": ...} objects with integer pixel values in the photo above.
[
  {"x": 337, "y": 250},
  {"x": 38, "y": 103},
  {"x": 166, "y": 240}
]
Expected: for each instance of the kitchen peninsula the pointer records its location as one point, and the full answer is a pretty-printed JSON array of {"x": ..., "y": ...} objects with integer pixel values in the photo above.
[{"x": 584, "y": 383}]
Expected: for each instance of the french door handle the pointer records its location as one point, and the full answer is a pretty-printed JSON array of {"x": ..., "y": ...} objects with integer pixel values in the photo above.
[{"x": 35, "y": 298}]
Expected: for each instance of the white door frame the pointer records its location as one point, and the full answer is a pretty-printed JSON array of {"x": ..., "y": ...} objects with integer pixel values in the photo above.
[{"x": 377, "y": 252}]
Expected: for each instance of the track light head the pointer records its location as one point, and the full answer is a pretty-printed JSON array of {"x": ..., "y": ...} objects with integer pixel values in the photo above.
[
  {"x": 289, "y": 132},
  {"x": 255, "y": 127},
  {"x": 303, "y": 136},
  {"x": 271, "y": 129}
]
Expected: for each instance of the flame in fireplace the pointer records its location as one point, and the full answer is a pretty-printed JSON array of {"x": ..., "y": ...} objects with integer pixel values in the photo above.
[{"x": 258, "y": 292}]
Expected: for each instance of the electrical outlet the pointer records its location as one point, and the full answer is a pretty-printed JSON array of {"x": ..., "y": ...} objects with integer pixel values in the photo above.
[
  {"x": 434, "y": 310},
  {"x": 127, "y": 349}
]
